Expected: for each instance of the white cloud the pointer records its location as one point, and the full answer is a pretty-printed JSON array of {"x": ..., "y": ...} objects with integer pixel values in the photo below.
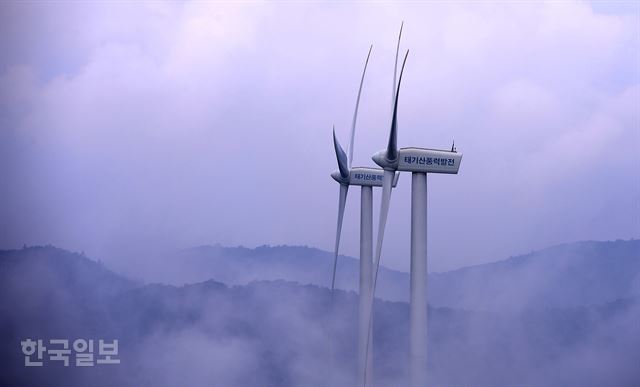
[{"x": 138, "y": 113}]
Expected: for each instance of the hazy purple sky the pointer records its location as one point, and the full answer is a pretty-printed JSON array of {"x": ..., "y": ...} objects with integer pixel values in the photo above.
[{"x": 126, "y": 126}]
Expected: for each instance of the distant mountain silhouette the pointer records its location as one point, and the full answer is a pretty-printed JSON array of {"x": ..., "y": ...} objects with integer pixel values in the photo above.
[
  {"x": 568, "y": 275},
  {"x": 281, "y": 333},
  {"x": 43, "y": 281},
  {"x": 305, "y": 265}
]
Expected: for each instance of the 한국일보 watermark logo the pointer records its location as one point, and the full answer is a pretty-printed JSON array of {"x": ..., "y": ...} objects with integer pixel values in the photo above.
[{"x": 58, "y": 350}]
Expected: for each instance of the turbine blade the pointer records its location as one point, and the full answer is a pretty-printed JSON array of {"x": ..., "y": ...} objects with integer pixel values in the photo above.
[
  {"x": 392, "y": 147},
  {"x": 344, "y": 189},
  {"x": 355, "y": 113},
  {"x": 340, "y": 156},
  {"x": 387, "y": 183},
  {"x": 395, "y": 66}
]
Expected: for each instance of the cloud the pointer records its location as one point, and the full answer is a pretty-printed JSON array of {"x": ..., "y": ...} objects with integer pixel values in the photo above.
[{"x": 180, "y": 124}]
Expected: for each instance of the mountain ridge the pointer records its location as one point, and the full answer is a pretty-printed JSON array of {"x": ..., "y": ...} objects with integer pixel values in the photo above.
[
  {"x": 563, "y": 275},
  {"x": 276, "y": 333},
  {"x": 554, "y": 267}
]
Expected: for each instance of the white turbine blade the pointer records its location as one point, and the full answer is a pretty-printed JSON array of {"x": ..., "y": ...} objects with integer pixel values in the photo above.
[
  {"x": 395, "y": 67},
  {"x": 355, "y": 113},
  {"x": 341, "y": 157},
  {"x": 387, "y": 184},
  {"x": 392, "y": 147},
  {"x": 341, "y": 204}
]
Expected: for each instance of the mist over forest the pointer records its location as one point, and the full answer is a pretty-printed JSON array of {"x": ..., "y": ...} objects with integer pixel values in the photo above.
[
  {"x": 573, "y": 322},
  {"x": 144, "y": 143}
]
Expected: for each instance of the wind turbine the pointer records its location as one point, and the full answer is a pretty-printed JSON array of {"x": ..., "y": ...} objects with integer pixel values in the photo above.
[
  {"x": 366, "y": 178},
  {"x": 418, "y": 161}
]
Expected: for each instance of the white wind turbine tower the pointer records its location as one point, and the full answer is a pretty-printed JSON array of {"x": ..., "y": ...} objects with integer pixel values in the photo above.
[
  {"x": 418, "y": 161},
  {"x": 366, "y": 178}
]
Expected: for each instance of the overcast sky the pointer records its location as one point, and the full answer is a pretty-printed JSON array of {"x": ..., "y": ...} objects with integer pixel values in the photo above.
[{"x": 129, "y": 128}]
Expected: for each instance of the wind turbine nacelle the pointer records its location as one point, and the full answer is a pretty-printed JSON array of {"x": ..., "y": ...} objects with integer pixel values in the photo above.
[
  {"x": 428, "y": 160},
  {"x": 369, "y": 177}
]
